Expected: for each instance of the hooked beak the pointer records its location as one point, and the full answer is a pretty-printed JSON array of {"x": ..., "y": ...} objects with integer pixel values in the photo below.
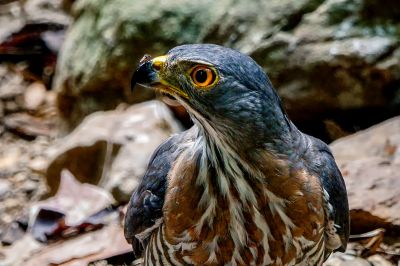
[{"x": 148, "y": 74}]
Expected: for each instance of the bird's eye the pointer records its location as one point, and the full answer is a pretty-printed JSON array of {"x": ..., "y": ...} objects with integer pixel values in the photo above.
[{"x": 203, "y": 76}]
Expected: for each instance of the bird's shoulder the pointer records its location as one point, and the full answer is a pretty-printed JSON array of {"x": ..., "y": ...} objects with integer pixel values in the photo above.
[
  {"x": 144, "y": 212},
  {"x": 320, "y": 162}
]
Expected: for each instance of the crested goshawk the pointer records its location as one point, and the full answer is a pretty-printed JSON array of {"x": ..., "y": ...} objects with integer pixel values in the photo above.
[{"x": 243, "y": 186}]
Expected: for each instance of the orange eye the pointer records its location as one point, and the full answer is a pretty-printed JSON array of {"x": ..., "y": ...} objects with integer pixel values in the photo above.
[{"x": 203, "y": 76}]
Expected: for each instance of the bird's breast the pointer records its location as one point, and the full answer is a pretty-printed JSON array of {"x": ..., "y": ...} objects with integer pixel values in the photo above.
[{"x": 217, "y": 219}]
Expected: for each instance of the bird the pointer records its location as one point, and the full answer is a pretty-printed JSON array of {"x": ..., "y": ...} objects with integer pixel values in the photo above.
[{"x": 243, "y": 185}]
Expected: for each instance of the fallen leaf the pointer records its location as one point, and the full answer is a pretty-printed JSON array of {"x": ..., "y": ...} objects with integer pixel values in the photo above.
[
  {"x": 75, "y": 207},
  {"x": 370, "y": 242},
  {"x": 28, "y": 126},
  {"x": 84, "y": 249},
  {"x": 48, "y": 224}
]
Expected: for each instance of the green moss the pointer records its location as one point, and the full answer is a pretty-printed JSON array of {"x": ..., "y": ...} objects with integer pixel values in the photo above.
[
  {"x": 341, "y": 10},
  {"x": 368, "y": 17}
]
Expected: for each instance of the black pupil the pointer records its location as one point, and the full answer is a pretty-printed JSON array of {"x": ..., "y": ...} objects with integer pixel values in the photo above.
[{"x": 201, "y": 76}]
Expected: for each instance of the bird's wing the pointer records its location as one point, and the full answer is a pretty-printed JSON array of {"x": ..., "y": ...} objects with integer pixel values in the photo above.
[
  {"x": 335, "y": 198},
  {"x": 144, "y": 212}
]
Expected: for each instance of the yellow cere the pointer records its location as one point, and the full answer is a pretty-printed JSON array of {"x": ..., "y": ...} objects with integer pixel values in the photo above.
[{"x": 158, "y": 62}]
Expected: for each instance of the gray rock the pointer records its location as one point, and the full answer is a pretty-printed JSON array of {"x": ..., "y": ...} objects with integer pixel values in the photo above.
[
  {"x": 323, "y": 68},
  {"x": 45, "y": 11},
  {"x": 370, "y": 164},
  {"x": 108, "y": 38},
  {"x": 326, "y": 58},
  {"x": 112, "y": 149}
]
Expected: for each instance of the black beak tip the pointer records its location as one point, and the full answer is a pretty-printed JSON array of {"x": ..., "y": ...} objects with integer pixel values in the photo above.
[{"x": 142, "y": 73}]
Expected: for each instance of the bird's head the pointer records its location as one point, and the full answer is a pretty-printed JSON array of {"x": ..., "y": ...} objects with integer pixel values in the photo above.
[{"x": 222, "y": 89}]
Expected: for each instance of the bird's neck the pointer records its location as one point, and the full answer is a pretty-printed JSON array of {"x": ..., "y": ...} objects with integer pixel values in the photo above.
[
  {"x": 235, "y": 143},
  {"x": 230, "y": 160}
]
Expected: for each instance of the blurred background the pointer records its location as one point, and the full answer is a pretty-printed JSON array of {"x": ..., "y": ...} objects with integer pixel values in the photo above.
[{"x": 75, "y": 140}]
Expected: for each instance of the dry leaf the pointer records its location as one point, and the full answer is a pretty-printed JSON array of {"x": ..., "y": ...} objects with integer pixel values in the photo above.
[
  {"x": 74, "y": 207},
  {"x": 86, "y": 248},
  {"x": 28, "y": 126}
]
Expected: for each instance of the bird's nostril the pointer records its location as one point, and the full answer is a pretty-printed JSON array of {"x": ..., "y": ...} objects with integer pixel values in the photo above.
[{"x": 158, "y": 63}]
